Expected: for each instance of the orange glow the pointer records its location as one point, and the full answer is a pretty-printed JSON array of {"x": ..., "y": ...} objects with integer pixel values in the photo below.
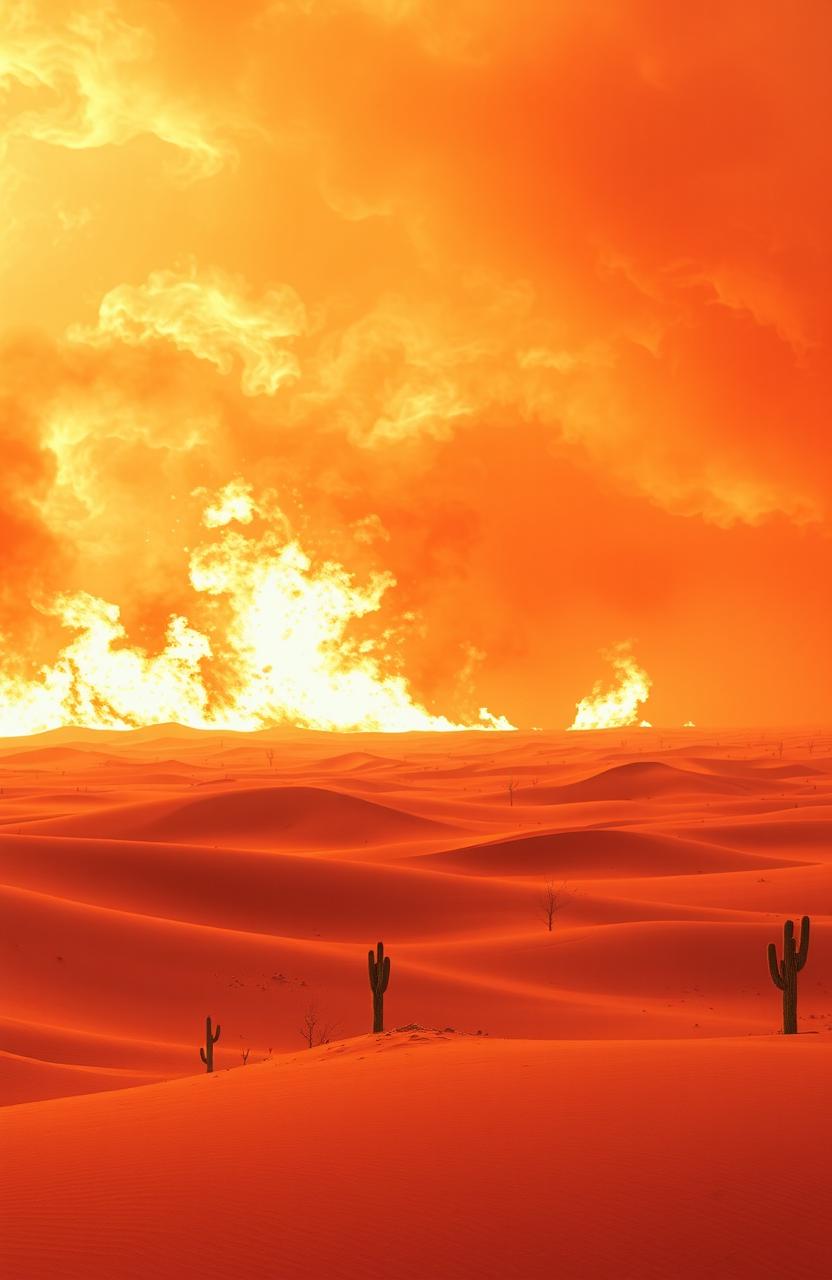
[{"x": 520, "y": 314}]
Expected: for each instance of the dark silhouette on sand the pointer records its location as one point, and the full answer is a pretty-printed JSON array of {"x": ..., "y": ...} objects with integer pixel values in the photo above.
[
  {"x": 379, "y": 978},
  {"x": 785, "y": 974},
  {"x": 207, "y": 1054}
]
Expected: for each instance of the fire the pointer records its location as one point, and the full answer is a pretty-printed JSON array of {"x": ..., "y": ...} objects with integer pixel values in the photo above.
[
  {"x": 616, "y": 707},
  {"x": 274, "y": 648}
]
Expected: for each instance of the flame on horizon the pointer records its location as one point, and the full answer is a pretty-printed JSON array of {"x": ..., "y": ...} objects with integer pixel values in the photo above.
[
  {"x": 617, "y": 706},
  {"x": 282, "y": 654}
]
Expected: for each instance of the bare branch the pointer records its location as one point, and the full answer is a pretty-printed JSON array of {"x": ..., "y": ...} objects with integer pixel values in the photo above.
[
  {"x": 313, "y": 1030},
  {"x": 551, "y": 902}
]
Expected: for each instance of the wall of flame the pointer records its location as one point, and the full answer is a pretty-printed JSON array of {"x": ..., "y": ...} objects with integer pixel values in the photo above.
[{"x": 366, "y": 363}]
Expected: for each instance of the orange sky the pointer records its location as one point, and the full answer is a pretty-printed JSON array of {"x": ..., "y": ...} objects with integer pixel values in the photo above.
[{"x": 524, "y": 306}]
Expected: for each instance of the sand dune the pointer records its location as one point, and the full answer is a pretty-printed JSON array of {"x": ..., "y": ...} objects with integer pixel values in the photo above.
[
  {"x": 148, "y": 880},
  {"x": 259, "y": 817},
  {"x": 643, "y": 780},
  {"x": 721, "y": 961},
  {"x": 799, "y": 833},
  {"x": 286, "y": 895},
  {"x": 354, "y": 760},
  {"x": 57, "y": 757},
  {"x": 600, "y": 1159},
  {"x": 595, "y": 854},
  {"x": 750, "y": 768},
  {"x": 30, "y": 1079}
]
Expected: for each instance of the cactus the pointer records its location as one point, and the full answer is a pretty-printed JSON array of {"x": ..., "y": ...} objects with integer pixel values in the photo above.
[
  {"x": 784, "y": 974},
  {"x": 379, "y": 978},
  {"x": 207, "y": 1054}
]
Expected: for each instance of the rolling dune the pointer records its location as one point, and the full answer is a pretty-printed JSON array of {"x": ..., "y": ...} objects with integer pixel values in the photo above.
[
  {"x": 302, "y": 817},
  {"x": 647, "y": 780},
  {"x": 596, "y": 854},
  {"x": 623, "y": 1159},
  {"x": 149, "y": 879}
]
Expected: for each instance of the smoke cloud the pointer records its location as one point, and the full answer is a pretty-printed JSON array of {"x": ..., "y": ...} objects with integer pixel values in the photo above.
[{"x": 524, "y": 309}]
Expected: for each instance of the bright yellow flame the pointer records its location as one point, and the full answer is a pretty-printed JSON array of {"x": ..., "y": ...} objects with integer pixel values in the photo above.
[
  {"x": 616, "y": 707},
  {"x": 234, "y": 501},
  {"x": 287, "y": 656}
]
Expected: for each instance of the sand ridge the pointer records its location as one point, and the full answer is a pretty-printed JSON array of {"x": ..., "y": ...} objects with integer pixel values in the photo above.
[
  {"x": 149, "y": 879},
  {"x": 601, "y": 1158}
]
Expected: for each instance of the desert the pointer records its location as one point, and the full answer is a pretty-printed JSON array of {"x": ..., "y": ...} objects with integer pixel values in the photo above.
[
  {"x": 415, "y": 600},
  {"x": 611, "y": 1096}
]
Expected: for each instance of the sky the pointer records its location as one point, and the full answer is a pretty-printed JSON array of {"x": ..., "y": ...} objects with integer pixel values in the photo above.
[{"x": 405, "y": 363}]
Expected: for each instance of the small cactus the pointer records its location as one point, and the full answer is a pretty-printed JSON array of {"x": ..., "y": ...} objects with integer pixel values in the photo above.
[
  {"x": 379, "y": 978},
  {"x": 207, "y": 1054},
  {"x": 784, "y": 974}
]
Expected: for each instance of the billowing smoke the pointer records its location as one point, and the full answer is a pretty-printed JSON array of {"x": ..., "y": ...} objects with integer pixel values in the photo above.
[{"x": 525, "y": 309}]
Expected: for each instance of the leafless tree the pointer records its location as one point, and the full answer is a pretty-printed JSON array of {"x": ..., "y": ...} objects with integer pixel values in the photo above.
[
  {"x": 552, "y": 901},
  {"x": 244, "y": 1055},
  {"x": 313, "y": 1030},
  {"x": 512, "y": 787},
  {"x": 270, "y": 757}
]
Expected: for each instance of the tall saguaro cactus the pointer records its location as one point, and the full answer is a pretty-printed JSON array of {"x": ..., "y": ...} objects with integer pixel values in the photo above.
[
  {"x": 207, "y": 1054},
  {"x": 379, "y": 978},
  {"x": 784, "y": 974}
]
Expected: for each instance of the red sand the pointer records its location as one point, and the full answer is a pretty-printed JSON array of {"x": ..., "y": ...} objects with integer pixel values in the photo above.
[{"x": 630, "y": 1112}]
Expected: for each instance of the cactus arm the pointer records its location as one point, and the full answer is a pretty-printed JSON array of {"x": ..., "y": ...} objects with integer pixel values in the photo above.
[
  {"x": 804, "y": 942},
  {"x": 772, "y": 967},
  {"x": 386, "y": 975},
  {"x": 372, "y": 966},
  {"x": 216, "y": 1035},
  {"x": 203, "y": 1057}
]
